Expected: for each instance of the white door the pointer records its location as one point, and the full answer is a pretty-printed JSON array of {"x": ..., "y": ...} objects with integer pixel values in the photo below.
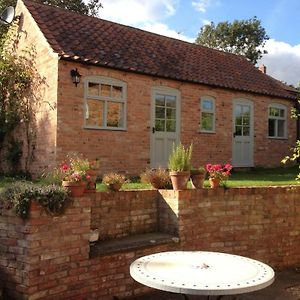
[
  {"x": 165, "y": 124},
  {"x": 242, "y": 154}
]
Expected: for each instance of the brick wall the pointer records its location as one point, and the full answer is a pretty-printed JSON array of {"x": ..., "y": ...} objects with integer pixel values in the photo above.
[
  {"x": 48, "y": 257},
  {"x": 46, "y": 63},
  {"x": 129, "y": 150},
  {"x": 124, "y": 213}
]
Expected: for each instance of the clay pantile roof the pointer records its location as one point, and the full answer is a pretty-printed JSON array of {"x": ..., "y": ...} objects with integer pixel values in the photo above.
[{"x": 95, "y": 41}]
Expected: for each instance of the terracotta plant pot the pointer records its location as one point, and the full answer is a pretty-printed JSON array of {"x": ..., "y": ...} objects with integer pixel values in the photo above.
[
  {"x": 180, "y": 180},
  {"x": 114, "y": 186},
  {"x": 91, "y": 183},
  {"x": 214, "y": 182},
  {"x": 197, "y": 180},
  {"x": 76, "y": 188}
]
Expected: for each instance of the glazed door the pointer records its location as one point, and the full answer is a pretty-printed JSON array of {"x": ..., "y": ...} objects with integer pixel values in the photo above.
[
  {"x": 165, "y": 125},
  {"x": 242, "y": 134}
]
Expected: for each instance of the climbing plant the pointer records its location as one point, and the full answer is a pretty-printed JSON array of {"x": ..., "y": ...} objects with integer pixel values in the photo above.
[
  {"x": 19, "y": 96},
  {"x": 296, "y": 150}
]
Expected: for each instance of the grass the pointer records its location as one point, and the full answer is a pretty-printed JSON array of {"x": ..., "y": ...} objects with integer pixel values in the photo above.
[{"x": 254, "y": 177}]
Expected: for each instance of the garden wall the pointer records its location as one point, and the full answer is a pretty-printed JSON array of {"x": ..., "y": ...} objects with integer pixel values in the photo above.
[{"x": 48, "y": 257}]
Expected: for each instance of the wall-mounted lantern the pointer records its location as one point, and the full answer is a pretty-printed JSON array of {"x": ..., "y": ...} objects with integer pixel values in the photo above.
[{"x": 75, "y": 76}]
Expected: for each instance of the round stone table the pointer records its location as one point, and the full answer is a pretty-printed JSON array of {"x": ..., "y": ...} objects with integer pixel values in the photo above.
[{"x": 201, "y": 273}]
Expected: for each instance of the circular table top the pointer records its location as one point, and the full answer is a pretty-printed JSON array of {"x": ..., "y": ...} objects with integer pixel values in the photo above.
[{"x": 201, "y": 273}]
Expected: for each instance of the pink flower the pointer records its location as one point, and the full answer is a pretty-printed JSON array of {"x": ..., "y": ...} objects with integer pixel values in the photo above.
[{"x": 65, "y": 167}]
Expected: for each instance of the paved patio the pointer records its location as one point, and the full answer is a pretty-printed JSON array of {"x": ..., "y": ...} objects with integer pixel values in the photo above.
[{"x": 285, "y": 287}]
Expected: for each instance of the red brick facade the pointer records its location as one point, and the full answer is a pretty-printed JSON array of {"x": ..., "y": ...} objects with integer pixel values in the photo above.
[
  {"x": 48, "y": 257},
  {"x": 62, "y": 130}
]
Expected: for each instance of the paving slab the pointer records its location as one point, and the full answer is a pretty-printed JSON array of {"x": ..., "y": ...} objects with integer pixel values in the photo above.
[{"x": 285, "y": 287}]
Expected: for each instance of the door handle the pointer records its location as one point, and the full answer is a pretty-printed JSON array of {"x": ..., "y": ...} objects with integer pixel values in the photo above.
[
  {"x": 234, "y": 134},
  {"x": 153, "y": 129}
]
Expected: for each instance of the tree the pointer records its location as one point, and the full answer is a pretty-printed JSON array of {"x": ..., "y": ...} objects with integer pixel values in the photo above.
[
  {"x": 245, "y": 37},
  {"x": 90, "y": 7}
]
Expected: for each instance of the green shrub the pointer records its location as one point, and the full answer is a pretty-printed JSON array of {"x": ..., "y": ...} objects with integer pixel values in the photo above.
[
  {"x": 18, "y": 196},
  {"x": 180, "y": 158}
]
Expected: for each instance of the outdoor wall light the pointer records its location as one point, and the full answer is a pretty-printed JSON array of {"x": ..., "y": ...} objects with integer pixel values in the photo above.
[{"x": 75, "y": 76}]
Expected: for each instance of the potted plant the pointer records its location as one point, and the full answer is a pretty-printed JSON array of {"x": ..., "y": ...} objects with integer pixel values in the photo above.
[
  {"x": 92, "y": 172},
  {"x": 218, "y": 174},
  {"x": 113, "y": 181},
  {"x": 180, "y": 166},
  {"x": 159, "y": 178},
  {"x": 197, "y": 177},
  {"x": 73, "y": 174}
]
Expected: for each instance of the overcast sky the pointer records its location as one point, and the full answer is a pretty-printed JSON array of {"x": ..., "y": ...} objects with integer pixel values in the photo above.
[{"x": 182, "y": 19}]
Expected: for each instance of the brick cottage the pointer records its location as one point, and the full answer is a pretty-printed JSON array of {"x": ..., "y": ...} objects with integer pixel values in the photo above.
[{"x": 140, "y": 92}]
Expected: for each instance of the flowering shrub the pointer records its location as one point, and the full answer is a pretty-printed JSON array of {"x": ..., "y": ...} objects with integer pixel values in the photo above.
[
  {"x": 74, "y": 169},
  {"x": 113, "y": 178},
  {"x": 221, "y": 172}
]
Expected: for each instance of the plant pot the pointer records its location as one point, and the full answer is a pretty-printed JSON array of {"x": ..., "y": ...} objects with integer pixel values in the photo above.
[
  {"x": 214, "y": 182},
  {"x": 180, "y": 180},
  {"x": 91, "y": 183},
  {"x": 76, "y": 188},
  {"x": 114, "y": 186},
  {"x": 197, "y": 180}
]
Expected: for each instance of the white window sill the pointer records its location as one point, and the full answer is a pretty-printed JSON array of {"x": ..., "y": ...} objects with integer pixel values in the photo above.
[
  {"x": 277, "y": 138},
  {"x": 209, "y": 132}
]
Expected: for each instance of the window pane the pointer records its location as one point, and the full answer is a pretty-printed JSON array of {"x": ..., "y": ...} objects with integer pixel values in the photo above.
[
  {"x": 207, "y": 105},
  {"x": 94, "y": 113},
  {"x": 207, "y": 121},
  {"x": 117, "y": 92},
  {"x": 171, "y": 101},
  {"x": 105, "y": 90},
  {"x": 159, "y": 112},
  {"x": 271, "y": 127},
  {"x": 238, "y": 130},
  {"x": 171, "y": 125},
  {"x": 238, "y": 121},
  {"x": 238, "y": 111},
  {"x": 93, "y": 89},
  {"x": 246, "y": 131},
  {"x": 160, "y": 125},
  {"x": 246, "y": 121},
  {"x": 274, "y": 112},
  {"x": 171, "y": 113},
  {"x": 280, "y": 128},
  {"x": 114, "y": 114},
  {"x": 160, "y": 100},
  {"x": 281, "y": 113}
]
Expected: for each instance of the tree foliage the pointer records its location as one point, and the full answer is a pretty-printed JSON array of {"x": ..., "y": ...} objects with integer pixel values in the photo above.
[
  {"x": 90, "y": 7},
  {"x": 243, "y": 37}
]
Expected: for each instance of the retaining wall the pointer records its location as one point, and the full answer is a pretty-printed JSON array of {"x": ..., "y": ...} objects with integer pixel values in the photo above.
[{"x": 48, "y": 257}]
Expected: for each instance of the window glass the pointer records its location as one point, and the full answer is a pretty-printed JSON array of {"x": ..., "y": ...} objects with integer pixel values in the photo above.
[
  {"x": 171, "y": 113},
  {"x": 159, "y": 125},
  {"x": 159, "y": 112},
  {"x": 207, "y": 105},
  {"x": 105, "y": 90},
  {"x": 160, "y": 100},
  {"x": 94, "y": 113},
  {"x": 207, "y": 121},
  {"x": 116, "y": 92},
  {"x": 280, "y": 125},
  {"x": 277, "y": 121},
  {"x": 93, "y": 89},
  {"x": 105, "y": 104},
  {"x": 171, "y": 125},
  {"x": 171, "y": 101},
  {"x": 114, "y": 114},
  {"x": 207, "y": 117}
]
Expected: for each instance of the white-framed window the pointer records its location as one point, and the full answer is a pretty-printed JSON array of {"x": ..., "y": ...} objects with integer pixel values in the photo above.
[
  {"x": 105, "y": 103},
  {"x": 207, "y": 114},
  {"x": 277, "y": 116}
]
